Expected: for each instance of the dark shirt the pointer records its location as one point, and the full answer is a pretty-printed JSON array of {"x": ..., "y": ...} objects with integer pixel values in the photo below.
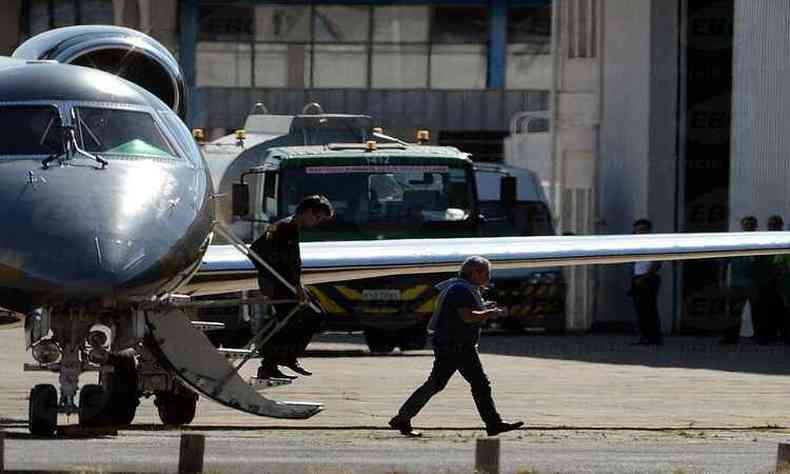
[
  {"x": 451, "y": 330},
  {"x": 279, "y": 247}
]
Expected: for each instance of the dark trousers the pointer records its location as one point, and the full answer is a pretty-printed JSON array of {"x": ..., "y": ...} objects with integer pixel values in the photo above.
[
  {"x": 465, "y": 360},
  {"x": 290, "y": 342},
  {"x": 644, "y": 292}
]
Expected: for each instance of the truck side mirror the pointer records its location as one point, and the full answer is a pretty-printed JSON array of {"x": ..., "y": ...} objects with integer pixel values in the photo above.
[
  {"x": 241, "y": 200},
  {"x": 507, "y": 190}
]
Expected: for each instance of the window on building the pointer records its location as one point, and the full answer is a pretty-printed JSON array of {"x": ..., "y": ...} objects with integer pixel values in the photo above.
[
  {"x": 97, "y": 12},
  {"x": 224, "y": 49},
  {"x": 48, "y": 14},
  {"x": 344, "y": 46},
  {"x": 283, "y": 46},
  {"x": 226, "y": 23},
  {"x": 582, "y": 17},
  {"x": 459, "y": 36},
  {"x": 529, "y": 63},
  {"x": 400, "y": 49},
  {"x": 224, "y": 64},
  {"x": 340, "y": 46}
]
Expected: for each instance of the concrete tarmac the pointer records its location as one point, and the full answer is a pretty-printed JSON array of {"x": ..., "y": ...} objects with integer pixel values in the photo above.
[{"x": 591, "y": 403}]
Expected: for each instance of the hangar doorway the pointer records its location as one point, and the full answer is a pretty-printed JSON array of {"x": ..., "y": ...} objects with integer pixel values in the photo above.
[{"x": 706, "y": 101}]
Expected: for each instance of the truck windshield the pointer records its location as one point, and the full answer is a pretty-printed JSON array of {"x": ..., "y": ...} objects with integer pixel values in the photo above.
[
  {"x": 30, "y": 130},
  {"x": 121, "y": 132},
  {"x": 377, "y": 196}
]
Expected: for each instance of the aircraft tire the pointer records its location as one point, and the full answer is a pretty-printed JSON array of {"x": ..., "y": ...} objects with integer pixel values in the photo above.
[
  {"x": 121, "y": 385},
  {"x": 176, "y": 409},
  {"x": 379, "y": 342},
  {"x": 92, "y": 410},
  {"x": 43, "y": 410}
]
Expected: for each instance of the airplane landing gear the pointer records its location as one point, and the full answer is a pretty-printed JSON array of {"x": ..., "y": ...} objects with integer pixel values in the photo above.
[
  {"x": 93, "y": 399},
  {"x": 176, "y": 408},
  {"x": 121, "y": 388},
  {"x": 43, "y": 410}
]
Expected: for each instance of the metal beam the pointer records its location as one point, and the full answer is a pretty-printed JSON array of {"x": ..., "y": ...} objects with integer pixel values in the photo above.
[
  {"x": 189, "y": 14},
  {"x": 497, "y": 43}
]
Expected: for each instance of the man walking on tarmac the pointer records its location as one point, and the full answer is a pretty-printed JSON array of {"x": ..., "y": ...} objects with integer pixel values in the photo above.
[
  {"x": 457, "y": 317},
  {"x": 279, "y": 247}
]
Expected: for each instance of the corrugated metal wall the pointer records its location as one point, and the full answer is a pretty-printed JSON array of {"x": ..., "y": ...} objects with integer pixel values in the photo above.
[
  {"x": 394, "y": 109},
  {"x": 760, "y": 159}
]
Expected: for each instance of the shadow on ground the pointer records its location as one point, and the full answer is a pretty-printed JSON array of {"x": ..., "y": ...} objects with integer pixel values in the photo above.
[{"x": 679, "y": 351}]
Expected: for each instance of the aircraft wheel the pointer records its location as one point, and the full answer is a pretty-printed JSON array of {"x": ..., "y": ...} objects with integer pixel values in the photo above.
[
  {"x": 93, "y": 400},
  {"x": 121, "y": 385},
  {"x": 379, "y": 342},
  {"x": 176, "y": 409},
  {"x": 43, "y": 410}
]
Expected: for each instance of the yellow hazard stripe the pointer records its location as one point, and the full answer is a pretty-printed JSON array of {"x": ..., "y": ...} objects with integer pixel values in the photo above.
[
  {"x": 349, "y": 293},
  {"x": 427, "y": 307},
  {"x": 326, "y": 303},
  {"x": 412, "y": 293}
]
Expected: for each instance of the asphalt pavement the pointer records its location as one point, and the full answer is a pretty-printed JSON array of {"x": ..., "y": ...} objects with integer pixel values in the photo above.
[{"x": 591, "y": 403}]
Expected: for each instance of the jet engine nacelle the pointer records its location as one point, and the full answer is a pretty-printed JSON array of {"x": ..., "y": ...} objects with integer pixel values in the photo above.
[{"x": 127, "y": 53}]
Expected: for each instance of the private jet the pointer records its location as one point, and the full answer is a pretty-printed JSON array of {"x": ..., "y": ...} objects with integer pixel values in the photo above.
[{"x": 108, "y": 213}]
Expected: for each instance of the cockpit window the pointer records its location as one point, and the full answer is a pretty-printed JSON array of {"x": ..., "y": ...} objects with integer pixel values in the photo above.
[
  {"x": 30, "y": 130},
  {"x": 120, "y": 132}
]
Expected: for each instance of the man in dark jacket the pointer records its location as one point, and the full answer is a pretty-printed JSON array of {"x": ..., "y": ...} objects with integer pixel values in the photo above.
[
  {"x": 459, "y": 313},
  {"x": 279, "y": 247}
]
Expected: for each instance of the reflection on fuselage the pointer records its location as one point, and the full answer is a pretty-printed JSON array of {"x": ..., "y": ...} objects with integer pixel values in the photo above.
[{"x": 78, "y": 231}]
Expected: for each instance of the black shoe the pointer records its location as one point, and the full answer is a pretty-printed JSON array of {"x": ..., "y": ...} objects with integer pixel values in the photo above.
[
  {"x": 297, "y": 367},
  {"x": 272, "y": 372},
  {"x": 404, "y": 426},
  {"x": 503, "y": 427}
]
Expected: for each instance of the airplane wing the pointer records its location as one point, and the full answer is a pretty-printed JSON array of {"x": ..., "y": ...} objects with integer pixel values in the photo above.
[{"x": 225, "y": 269}]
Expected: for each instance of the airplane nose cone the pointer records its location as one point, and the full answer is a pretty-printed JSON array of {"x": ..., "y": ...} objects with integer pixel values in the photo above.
[{"x": 89, "y": 233}]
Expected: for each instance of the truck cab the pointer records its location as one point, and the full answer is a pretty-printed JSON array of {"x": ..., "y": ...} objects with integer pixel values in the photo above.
[{"x": 380, "y": 191}]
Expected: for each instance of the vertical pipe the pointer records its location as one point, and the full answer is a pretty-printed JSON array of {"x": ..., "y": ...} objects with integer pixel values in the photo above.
[
  {"x": 680, "y": 156},
  {"x": 553, "y": 106},
  {"x": 497, "y": 43}
]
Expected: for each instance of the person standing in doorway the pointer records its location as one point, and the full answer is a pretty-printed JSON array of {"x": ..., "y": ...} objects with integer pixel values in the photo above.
[
  {"x": 645, "y": 283},
  {"x": 741, "y": 288},
  {"x": 456, "y": 321}
]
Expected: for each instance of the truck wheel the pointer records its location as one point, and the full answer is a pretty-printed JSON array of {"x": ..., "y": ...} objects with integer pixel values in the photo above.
[
  {"x": 556, "y": 327},
  {"x": 413, "y": 338},
  {"x": 513, "y": 325},
  {"x": 379, "y": 342}
]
